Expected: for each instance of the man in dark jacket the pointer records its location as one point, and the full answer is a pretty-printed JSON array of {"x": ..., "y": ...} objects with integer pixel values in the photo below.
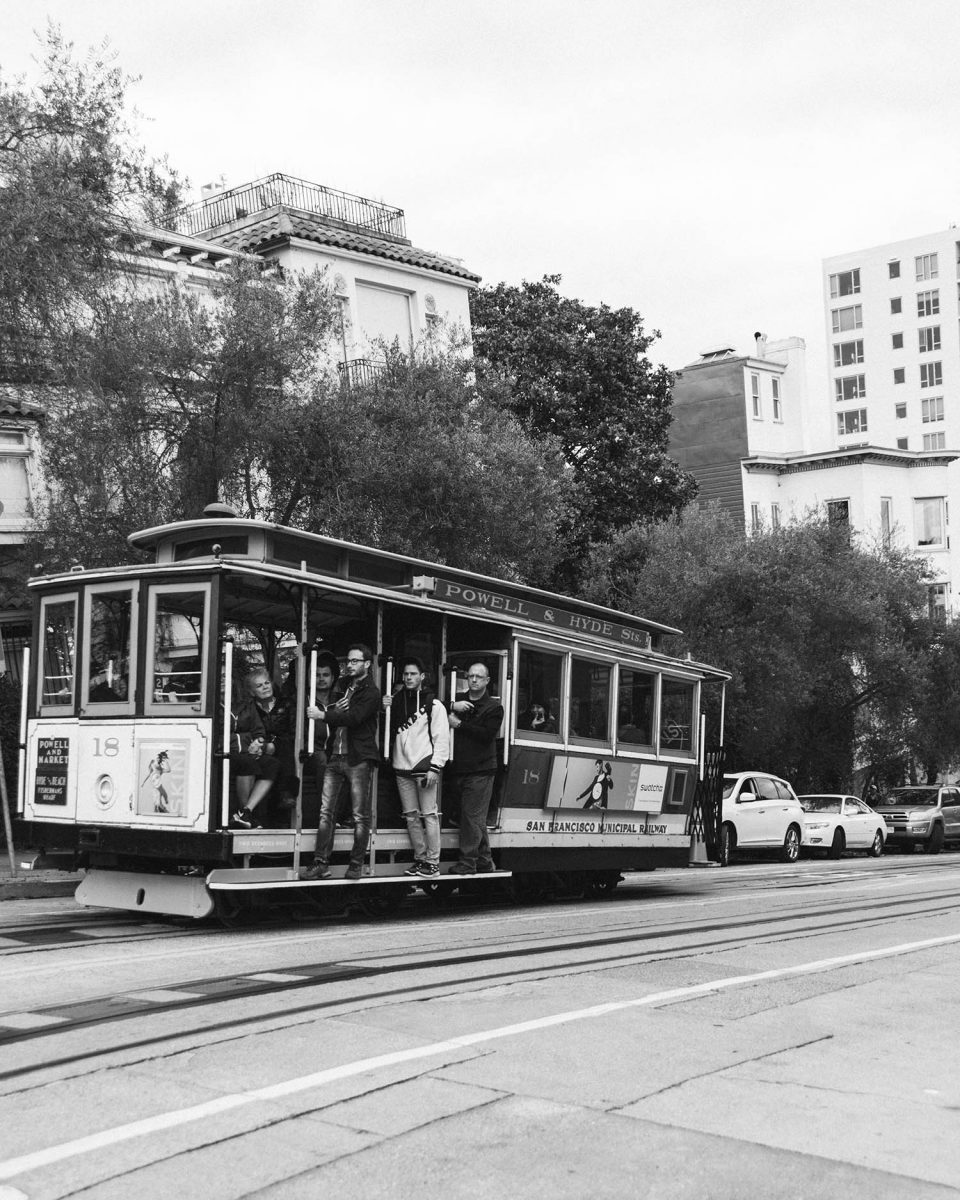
[
  {"x": 351, "y": 719},
  {"x": 476, "y": 719}
]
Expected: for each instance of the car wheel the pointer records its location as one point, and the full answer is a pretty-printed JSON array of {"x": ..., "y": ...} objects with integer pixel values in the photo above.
[
  {"x": 791, "y": 845},
  {"x": 934, "y": 843},
  {"x": 838, "y": 845},
  {"x": 728, "y": 845},
  {"x": 876, "y": 846}
]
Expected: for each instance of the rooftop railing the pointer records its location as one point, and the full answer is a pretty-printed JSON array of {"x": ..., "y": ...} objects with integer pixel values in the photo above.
[{"x": 333, "y": 206}]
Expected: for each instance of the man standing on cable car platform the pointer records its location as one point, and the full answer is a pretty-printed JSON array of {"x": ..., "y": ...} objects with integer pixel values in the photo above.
[
  {"x": 477, "y": 718},
  {"x": 351, "y": 719}
]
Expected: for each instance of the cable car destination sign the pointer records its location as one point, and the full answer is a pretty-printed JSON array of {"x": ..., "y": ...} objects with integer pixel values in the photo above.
[{"x": 540, "y": 614}]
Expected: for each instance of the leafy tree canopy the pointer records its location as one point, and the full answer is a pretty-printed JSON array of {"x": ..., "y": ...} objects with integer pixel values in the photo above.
[
  {"x": 72, "y": 179},
  {"x": 581, "y": 375},
  {"x": 824, "y": 640}
]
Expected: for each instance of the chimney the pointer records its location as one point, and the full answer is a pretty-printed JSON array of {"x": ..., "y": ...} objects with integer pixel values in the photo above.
[{"x": 761, "y": 340}]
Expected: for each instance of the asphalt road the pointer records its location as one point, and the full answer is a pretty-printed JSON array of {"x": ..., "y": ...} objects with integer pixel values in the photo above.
[{"x": 761, "y": 1031}]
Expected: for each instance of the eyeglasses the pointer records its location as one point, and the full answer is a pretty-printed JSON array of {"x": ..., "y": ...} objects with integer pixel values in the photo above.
[{"x": 353, "y": 661}]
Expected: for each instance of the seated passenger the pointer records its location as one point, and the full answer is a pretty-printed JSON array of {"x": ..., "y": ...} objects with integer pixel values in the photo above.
[
  {"x": 254, "y": 773},
  {"x": 538, "y": 719},
  {"x": 278, "y": 718}
]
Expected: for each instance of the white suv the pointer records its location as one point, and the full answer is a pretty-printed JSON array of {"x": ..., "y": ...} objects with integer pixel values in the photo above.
[{"x": 760, "y": 812}]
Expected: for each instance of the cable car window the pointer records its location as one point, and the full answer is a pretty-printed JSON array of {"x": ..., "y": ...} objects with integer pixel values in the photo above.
[
  {"x": 58, "y": 623},
  {"x": 676, "y": 716},
  {"x": 538, "y": 693},
  {"x": 635, "y": 702},
  {"x": 590, "y": 700},
  {"x": 176, "y": 659},
  {"x": 111, "y": 618}
]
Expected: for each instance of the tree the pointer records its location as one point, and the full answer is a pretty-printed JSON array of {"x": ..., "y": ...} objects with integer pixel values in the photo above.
[
  {"x": 72, "y": 180},
  {"x": 581, "y": 375},
  {"x": 825, "y": 640}
]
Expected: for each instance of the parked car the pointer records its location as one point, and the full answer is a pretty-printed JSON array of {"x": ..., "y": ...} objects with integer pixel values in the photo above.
[
  {"x": 836, "y": 823},
  {"x": 760, "y": 812},
  {"x": 927, "y": 816}
]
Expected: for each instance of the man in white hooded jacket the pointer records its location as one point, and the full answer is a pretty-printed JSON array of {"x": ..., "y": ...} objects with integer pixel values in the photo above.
[{"x": 421, "y": 746}]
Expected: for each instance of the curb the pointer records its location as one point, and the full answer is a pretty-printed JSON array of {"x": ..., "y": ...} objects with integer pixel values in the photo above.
[{"x": 25, "y": 888}]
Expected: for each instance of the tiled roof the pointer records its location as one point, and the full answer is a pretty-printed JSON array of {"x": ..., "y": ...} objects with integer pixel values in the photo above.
[
  {"x": 282, "y": 224},
  {"x": 15, "y": 401}
]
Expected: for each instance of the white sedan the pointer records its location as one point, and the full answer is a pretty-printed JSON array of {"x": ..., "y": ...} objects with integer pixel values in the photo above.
[{"x": 837, "y": 822}]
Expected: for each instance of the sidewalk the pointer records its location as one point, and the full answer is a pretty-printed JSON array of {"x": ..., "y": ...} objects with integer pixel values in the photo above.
[{"x": 33, "y": 885}]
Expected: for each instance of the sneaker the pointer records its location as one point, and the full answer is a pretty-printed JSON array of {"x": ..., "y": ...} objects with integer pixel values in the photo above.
[
  {"x": 484, "y": 868},
  {"x": 462, "y": 869},
  {"x": 428, "y": 868},
  {"x": 414, "y": 868},
  {"x": 317, "y": 871},
  {"x": 353, "y": 872},
  {"x": 242, "y": 819}
]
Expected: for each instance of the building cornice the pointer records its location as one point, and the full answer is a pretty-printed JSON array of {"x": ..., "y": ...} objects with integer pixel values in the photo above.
[{"x": 854, "y": 456}]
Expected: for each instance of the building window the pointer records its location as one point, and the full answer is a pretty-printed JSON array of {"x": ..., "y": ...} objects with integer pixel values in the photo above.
[
  {"x": 897, "y": 340},
  {"x": 852, "y": 421},
  {"x": 929, "y": 338},
  {"x": 756, "y": 521},
  {"x": 926, "y": 265},
  {"x": 777, "y": 411},
  {"x": 934, "y": 441},
  {"x": 937, "y": 597},
  {"x": 899, "y": 374},
  {"x": 847, "y": 318},
  {"x": 847, "y": 283},
  {"x": 838, "y": 512},
  {"x": 895, "y": 305},
  {"x": 930, "y": 522},
  {"x": 894, "y": 269},
  {"x": 903, "y": 443},
  {"x": 755, "y": 394},
  {"x": 928, "y": 303},
  {"x": 931, "y": 374},
  {"x": 886, "y": 520},
  {"x": 900, "y": 412},
  {"x": 931, "y": 409},
  {"x": 850, "y": 387},
  {"x": 846, "y": 354},
  {"x": 775, "y": 516}
]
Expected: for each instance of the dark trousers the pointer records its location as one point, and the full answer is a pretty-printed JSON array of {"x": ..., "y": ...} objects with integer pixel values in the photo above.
[
  {"x": 337, "y": 772},
  {"x": 474, "y": 793}
]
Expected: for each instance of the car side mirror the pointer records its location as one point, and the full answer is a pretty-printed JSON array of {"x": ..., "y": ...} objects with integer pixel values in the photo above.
[{"x": 744, "y": 796}]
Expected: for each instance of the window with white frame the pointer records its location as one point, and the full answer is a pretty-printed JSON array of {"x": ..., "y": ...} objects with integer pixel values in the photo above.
[
  {"x": 846, "y": 283},
  {"x": 926, "y": 266},
  {"x": 852, "y": 421},
  {"x": 755, "y": 394},
  {"x": 774, "y": 516},
  {"x": 15, "y": 491},
  {"x": 938, "y": 599},
  {"x": 899, "y": 374},
  {"x": 900, "y": 411},
  {"x": 934, "y": 441},
  {"x": 756, "y": 520},
  {"x": 929, "y": 339},
  {"x": 775, "y": 387},
  {"x": 928, "y": 303},
  {"x": 843, "y": 319},
  {"x": 850, "y": 387},
  {"x": 847, "y": 354},
  {"x": 931, "y": 409},
  {"x": 896, "y": 305},
  {"x": 896, "y": 340},
  {"x": 903, "y": 443},
  {"x": 931, "y": 374},
  {"x": 886, "y": 520},
  {"x": 930, "y": 521}
]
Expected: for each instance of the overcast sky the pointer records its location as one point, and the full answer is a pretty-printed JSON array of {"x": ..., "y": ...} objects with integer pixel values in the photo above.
[{"x": 694, "y": 159}]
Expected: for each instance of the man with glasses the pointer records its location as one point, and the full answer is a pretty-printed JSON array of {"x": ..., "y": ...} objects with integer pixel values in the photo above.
[
  {"x": 477, "y": 719},
  {"x": 351, "y": 721}
]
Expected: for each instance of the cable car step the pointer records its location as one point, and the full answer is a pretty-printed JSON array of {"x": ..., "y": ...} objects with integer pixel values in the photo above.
[{"x": 237, "y": 879}]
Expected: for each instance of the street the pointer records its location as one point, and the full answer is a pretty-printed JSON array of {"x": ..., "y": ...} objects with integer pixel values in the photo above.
[{"x": 760, "y": 1031}]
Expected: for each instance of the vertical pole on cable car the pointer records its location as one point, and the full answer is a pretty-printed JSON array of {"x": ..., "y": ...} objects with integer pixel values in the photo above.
[
  {"x": 227, "y": 728},
  {"x": 388, "y": 711},
  {"x": 298, "y": 729},
  {"x": 375, "y": 773},
  {"x": 507, "y": 711},
  {"x": 453, "y": 700},
  {"x": 21, "y": 752},
  {"x": 701, "y": 748}
]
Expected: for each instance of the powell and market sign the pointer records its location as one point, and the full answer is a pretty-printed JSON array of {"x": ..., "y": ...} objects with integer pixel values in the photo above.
[{"x": 540, "y": 614}]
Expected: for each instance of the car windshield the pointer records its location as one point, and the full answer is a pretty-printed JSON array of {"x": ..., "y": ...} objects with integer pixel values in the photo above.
[
  {"x": 915, "y": 797},
  {"x": 820, "y": 804}
]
